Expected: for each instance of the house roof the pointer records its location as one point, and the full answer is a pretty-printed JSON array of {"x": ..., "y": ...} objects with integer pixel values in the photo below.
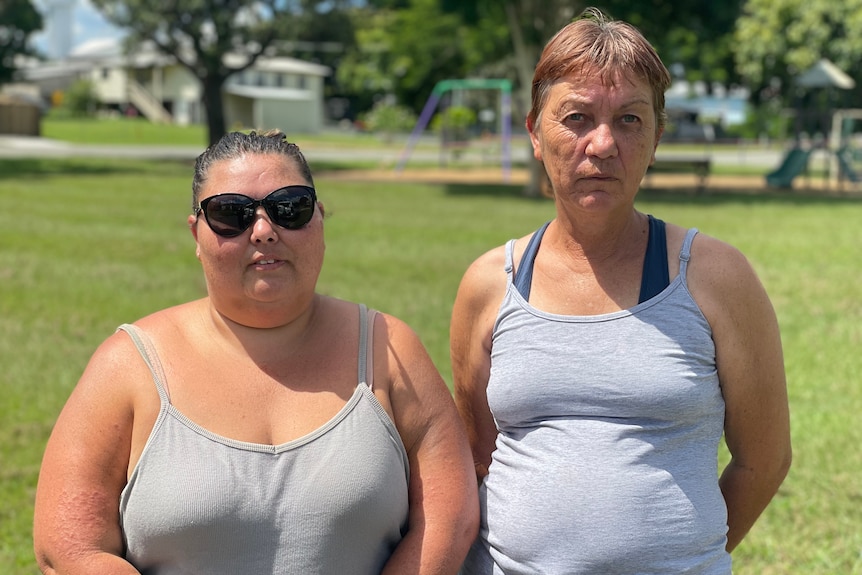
[{"x": 280, "y": 64}]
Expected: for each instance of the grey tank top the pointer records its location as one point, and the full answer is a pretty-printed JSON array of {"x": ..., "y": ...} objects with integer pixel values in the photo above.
[
  {"x": 606, "y": 456},
  {"x": 333, "y": 501}
]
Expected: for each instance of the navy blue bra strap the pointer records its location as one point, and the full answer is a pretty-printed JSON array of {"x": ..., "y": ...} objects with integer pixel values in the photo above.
[
  {"x": 524, "y": 275},
  {"x": 656, "y": 275}
]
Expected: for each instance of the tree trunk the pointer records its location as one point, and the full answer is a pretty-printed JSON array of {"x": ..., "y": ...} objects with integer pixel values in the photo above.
[
  {"x": 214, "y": 107},
  {"x": 525, "y": 67}
]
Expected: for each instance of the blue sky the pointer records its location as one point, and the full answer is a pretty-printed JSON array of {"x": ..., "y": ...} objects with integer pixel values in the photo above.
[{"x": 87, "y": 24}]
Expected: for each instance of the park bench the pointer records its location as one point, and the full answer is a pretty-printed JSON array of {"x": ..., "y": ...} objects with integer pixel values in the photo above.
[{"x": 669, "y": 164}]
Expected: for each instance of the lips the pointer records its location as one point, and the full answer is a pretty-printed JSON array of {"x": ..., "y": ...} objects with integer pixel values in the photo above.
[{"x": 261, "y": 262}]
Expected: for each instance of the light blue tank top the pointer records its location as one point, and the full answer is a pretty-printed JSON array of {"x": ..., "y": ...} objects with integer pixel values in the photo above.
[
  {"x": 333, "y": 501},
  {"x": 606, "y": 457}
]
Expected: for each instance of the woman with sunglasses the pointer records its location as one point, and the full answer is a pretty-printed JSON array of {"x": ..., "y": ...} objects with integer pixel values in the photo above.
[{"x": 265, "y": 428}]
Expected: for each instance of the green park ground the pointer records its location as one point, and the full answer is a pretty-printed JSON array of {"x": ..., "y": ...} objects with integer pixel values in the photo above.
[{"x": 90, "y": 243}]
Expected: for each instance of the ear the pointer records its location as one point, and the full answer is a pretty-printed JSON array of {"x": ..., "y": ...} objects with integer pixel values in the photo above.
[
  {"x": 192, "y": 221},
  {"x": 655, "y": 146},
  {"x": 193, "y": 228},
  {"x": 534, "y": 138}
]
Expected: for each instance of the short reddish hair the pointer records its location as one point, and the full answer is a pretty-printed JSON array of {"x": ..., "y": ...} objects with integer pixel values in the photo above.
[{"x": 598, "y": 45}]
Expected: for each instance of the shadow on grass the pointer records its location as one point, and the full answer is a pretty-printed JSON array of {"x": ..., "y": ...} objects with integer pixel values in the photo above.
[{"x": 45, "y": 167}]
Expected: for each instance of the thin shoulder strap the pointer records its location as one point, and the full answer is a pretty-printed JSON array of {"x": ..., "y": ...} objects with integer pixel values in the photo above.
[
  {"x": 524, "y": 277},
  {"x": 145, "y": 347},
  {"x": 685, "y": 253},
  {"x": 510, "y": 260},
  {"x": 366, "y": 346}
]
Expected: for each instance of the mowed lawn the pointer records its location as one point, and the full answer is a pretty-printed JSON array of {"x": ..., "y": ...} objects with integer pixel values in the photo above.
[{"x": 86, "y": 245}]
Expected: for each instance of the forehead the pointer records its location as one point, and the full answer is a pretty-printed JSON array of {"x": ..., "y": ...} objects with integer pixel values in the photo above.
[
  {"x": 588, "y": 87},
  {"x": 252, "y": 175}
]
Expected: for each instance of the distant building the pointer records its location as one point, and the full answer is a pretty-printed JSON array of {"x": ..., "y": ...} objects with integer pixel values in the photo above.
[
  {"x": 277, "y": 92},
  {"x": 59, "y": 19}
]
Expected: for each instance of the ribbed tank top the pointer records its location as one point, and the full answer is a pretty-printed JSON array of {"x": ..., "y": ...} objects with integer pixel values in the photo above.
[
  {"x": 333, "y": 501},
  {"x": 606, "y": 456}
]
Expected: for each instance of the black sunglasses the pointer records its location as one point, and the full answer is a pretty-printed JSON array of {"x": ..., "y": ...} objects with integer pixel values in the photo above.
[{"x": 229, "y": 215}]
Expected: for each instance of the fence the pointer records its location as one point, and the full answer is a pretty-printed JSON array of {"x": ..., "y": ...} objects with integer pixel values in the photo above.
[{"x": 20, "y": 118}]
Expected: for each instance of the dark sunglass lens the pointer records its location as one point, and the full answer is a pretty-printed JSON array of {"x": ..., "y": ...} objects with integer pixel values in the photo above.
[
  {"x": 228, "y": 214},
  {"x": 291, "y": 209}
]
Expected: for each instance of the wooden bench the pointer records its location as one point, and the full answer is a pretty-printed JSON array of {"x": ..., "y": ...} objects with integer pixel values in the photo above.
[{"x": 697, "y": 165}]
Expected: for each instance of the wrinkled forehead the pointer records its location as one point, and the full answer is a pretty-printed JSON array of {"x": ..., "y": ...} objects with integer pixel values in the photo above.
[
  {"x": 602, "y": 83},
  {"x": 608, "y": 76}
]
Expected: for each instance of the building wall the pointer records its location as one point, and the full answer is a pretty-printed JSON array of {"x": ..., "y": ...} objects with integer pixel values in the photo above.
[
  {"x": 290, "y": 116},
  {"x": 109, "y": 84}
]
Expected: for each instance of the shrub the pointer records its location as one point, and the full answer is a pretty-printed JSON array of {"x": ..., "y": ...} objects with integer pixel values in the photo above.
[
  {"x": 388, "y": 119},
  {"x": 81, "y": 99}
]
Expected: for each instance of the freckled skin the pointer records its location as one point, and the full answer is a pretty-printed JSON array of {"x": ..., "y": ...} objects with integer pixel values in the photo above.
[{"x": 596, "y": 139}]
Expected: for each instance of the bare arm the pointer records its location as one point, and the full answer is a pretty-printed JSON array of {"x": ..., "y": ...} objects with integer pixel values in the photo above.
[
  {"x": 751, "y": 373},
  {"x": 76, "y": 527},
  {"x": 473, "y": 318},
  {"x": 444, "y": 506}
]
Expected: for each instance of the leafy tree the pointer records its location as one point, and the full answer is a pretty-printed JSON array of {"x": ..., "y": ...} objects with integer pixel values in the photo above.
[
  {"x": 404, "y": 51},
  {"x": 776, "y": 40},
  {"x": 530, "y": 24},
  {"x": 18, "y": 19},
  {"x": 199, "y": 33}
]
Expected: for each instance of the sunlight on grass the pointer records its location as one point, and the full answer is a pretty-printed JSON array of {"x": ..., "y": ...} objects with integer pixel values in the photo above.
[{"x": 98, "y": 243}]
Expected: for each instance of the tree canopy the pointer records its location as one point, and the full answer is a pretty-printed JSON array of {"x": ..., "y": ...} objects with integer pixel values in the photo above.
[
  {"x": 777, "y": 40},
  {"x": 18, "y": 19},
  {"x": 199, "y": 33}
]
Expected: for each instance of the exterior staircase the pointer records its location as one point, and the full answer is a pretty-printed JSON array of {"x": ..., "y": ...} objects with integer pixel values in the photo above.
[{"x": 148, "y": 104}]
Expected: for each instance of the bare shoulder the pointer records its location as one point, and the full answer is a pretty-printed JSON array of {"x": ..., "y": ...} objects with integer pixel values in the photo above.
[
  {"x": 482, "y": 287},
  {"x": 719, "y": 264},
  {"x": 724, "y": 282},
  {"x": 486, "y": 270}
]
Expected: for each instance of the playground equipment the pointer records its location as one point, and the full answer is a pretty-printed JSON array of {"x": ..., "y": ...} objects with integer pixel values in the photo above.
[
  {"x": 814, "y": 109},
  {"x": 794, "y": 163},
  {"x": 841, "y": 141},
  {"x": 505, "y": 88}
]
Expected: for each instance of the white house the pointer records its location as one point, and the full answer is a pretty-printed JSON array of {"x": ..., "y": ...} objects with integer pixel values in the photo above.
[{"x": 275, "y": 92}]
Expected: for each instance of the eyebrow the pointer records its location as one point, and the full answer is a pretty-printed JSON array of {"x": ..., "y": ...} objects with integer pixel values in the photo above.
[{"x": 575, "y": 101}]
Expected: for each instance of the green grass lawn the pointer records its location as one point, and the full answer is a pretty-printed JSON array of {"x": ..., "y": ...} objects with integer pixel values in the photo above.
[
  {"x": 89, "y": 244},
  {"x": 139, "y": 131}
]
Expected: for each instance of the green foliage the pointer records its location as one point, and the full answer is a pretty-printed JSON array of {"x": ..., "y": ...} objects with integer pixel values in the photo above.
[
  {"x": 765, "y": 120},
  {"x": 18, "y": 20},
  {"x": 454, "y": 123},
  {"x": 80, "y": 99},
  {"x": 388, "y": 119},
  {"x": 405, "y": 52},
  {"x": 776, "y": 40},
  {"x": 454, "y": 118}
]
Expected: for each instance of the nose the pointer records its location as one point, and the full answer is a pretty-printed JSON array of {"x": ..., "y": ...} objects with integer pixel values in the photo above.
[
  {"x": 602, "y": 143},
  {"x": 262, "y": 229}
]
